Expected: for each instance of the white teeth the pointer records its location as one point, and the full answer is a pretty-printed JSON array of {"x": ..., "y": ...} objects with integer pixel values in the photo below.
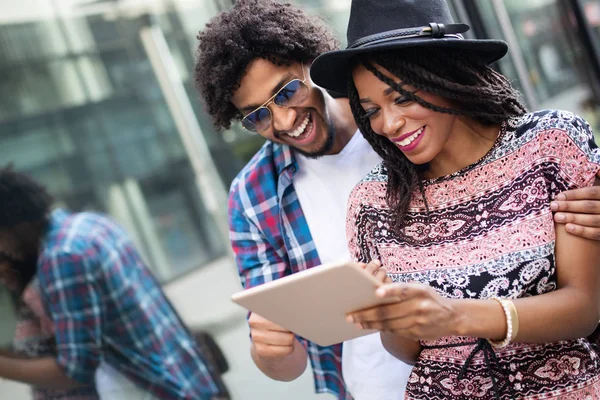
[
  {"x": 300, "y": 130},
  {"x": 411, "y": 138}
]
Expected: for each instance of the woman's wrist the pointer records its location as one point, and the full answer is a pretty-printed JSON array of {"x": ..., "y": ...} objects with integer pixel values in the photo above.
[
  {"x": 512, "y": 322},
  {"x": 479, "y": 318},
  {"x": 404, "y": 349},
  {"x": 461, "y": 324}
]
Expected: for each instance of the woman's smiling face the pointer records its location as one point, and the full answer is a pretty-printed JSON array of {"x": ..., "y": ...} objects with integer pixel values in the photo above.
[{"x": 420, "y": 133}]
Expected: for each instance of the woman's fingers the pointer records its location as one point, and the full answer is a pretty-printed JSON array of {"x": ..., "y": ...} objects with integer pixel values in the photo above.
[
  {"x": 380, "y": 313},
  {"x": 389, "y": 325},
  {"x": 382, "y": 275},
  {"x": 402, "y": 291},
  {"x": 373, "y": 267}
]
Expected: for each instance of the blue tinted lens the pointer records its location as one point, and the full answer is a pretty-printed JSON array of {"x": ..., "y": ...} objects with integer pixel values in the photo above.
[
  {"x": 257, "y": 119},
  {"x": 286, "y": 94},
  {"x": 262, "y": 115}
]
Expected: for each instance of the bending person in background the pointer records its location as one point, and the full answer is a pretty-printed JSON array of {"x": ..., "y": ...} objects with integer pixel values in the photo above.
[
  {"x": 494, "y": 300},
  {"x": 112, "y": 324}
]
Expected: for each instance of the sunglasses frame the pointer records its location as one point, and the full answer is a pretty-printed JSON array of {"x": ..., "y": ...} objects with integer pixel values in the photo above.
[{"x": 271, "y": 99}]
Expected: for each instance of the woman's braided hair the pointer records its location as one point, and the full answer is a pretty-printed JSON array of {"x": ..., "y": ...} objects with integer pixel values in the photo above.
[
  {"x": 268, "y": 29},
  {"x": 467, "y": 82}
]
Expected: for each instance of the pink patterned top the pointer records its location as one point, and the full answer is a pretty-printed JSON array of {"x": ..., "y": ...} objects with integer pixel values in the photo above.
[{"x": 489, "y": 232}]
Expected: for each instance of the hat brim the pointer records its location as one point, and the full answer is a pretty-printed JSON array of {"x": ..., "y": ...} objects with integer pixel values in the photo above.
[{"x": 330, "y": 70}]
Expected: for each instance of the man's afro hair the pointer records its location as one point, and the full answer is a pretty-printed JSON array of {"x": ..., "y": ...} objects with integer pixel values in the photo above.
[
  {"x": 21, "y": 199},
  {"x": 268, "y": 29}
]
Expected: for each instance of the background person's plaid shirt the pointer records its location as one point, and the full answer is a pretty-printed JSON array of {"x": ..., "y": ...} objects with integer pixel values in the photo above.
[
  {"x": 106, "y": 306},
  {"x": 271, "y": 239},
  {"x": 34, "y": 337}
]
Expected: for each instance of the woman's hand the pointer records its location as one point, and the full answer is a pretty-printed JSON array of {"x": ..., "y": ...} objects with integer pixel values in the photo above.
[
  {"x": 419, "y": 313},
  {"x": 404, "y": 349},
  {"x": 375, "y": 269}
]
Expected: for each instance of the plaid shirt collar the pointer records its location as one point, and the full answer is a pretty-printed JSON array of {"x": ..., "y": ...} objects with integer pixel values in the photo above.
[
  {"x": 284, "y": 158},
  {"x": 57, "y": 217}
]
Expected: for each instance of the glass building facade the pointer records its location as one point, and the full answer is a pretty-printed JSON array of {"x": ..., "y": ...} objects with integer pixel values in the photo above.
[
  {"x": 81, "y": 109},
  {"x": 97, "y": 101},
  {"x": 87, "y": 108}
]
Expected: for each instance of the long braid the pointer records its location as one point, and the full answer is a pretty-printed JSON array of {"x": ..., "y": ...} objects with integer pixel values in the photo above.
[
  {"x": 403, "y": 176},
  {"x": 475, "y": 90},
  {"x": 480, "y": 92},
  {"x": 400, "y": 89}
]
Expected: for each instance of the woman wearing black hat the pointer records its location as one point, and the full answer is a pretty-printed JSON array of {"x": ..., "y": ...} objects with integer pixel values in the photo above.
[{"x": 494, "y": 301}]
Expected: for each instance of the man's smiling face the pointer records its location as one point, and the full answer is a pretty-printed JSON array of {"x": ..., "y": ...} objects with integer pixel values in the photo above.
[{"x": 306, "y": 127}]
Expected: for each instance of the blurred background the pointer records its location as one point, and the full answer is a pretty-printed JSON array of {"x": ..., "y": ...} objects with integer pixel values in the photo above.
[{"x": 97, "y": 102}]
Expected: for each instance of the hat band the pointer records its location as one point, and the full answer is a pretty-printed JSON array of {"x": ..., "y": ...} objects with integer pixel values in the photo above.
[{"x": 433, "y": 30}]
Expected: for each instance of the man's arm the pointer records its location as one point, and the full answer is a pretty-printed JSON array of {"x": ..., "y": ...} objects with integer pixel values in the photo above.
[
  {"x": 42, "y": 372},
  {"x": 36, "y": 371},
  {"x": 70, "y": 291},
  {"x": 579, "y": 210},
  {"x": 275, "y": 351}
]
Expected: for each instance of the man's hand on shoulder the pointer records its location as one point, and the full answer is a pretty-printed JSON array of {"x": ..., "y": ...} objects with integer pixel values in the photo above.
[{"x": 579, "y": 209}]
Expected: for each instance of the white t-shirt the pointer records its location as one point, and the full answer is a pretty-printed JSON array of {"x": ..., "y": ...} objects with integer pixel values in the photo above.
[
  {"x": 113, "y": 385},
  {"x": 323, "y": 186}
]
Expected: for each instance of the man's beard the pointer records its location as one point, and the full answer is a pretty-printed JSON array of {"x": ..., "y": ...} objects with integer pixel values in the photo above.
[{"x": 327, "y": 145}]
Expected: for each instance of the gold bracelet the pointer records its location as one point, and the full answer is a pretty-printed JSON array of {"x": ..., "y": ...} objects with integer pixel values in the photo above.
[{"x": 512, "y": 323}]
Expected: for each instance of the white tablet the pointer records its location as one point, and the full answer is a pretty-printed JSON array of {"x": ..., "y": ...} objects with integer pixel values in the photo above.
[{"x": 314, "y": 303}]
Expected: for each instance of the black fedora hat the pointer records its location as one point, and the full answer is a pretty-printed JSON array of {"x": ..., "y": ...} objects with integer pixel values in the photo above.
[{"x": 395, "y": 24}]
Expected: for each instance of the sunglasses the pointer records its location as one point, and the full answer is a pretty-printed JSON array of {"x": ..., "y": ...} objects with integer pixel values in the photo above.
[{"x": 291, "y": 95}]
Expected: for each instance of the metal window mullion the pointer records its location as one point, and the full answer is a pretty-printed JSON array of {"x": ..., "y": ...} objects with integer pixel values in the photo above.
[
  {"x": 592, "y": 52},
  {"x": 515, "y": 53},
  {"x": 210, "y": 186}
]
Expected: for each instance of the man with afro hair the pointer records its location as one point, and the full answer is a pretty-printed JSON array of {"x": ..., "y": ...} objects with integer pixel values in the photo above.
[
  {"x": 287, "y": 205},
  {"x": 112, "y": 324}
]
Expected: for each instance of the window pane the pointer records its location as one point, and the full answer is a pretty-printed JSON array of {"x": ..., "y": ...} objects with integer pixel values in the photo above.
[
  {"x": 591, "y": 10},
  {"x": 88, "y": 119},
  {"x": 554, "y": 58}
]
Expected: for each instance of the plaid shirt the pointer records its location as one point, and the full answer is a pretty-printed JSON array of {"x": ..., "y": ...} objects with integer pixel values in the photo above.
[
  {"x": 34, "y": 337},
  {"x": 106, "y": 306},
  {"x": 271, "y": 239}
]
